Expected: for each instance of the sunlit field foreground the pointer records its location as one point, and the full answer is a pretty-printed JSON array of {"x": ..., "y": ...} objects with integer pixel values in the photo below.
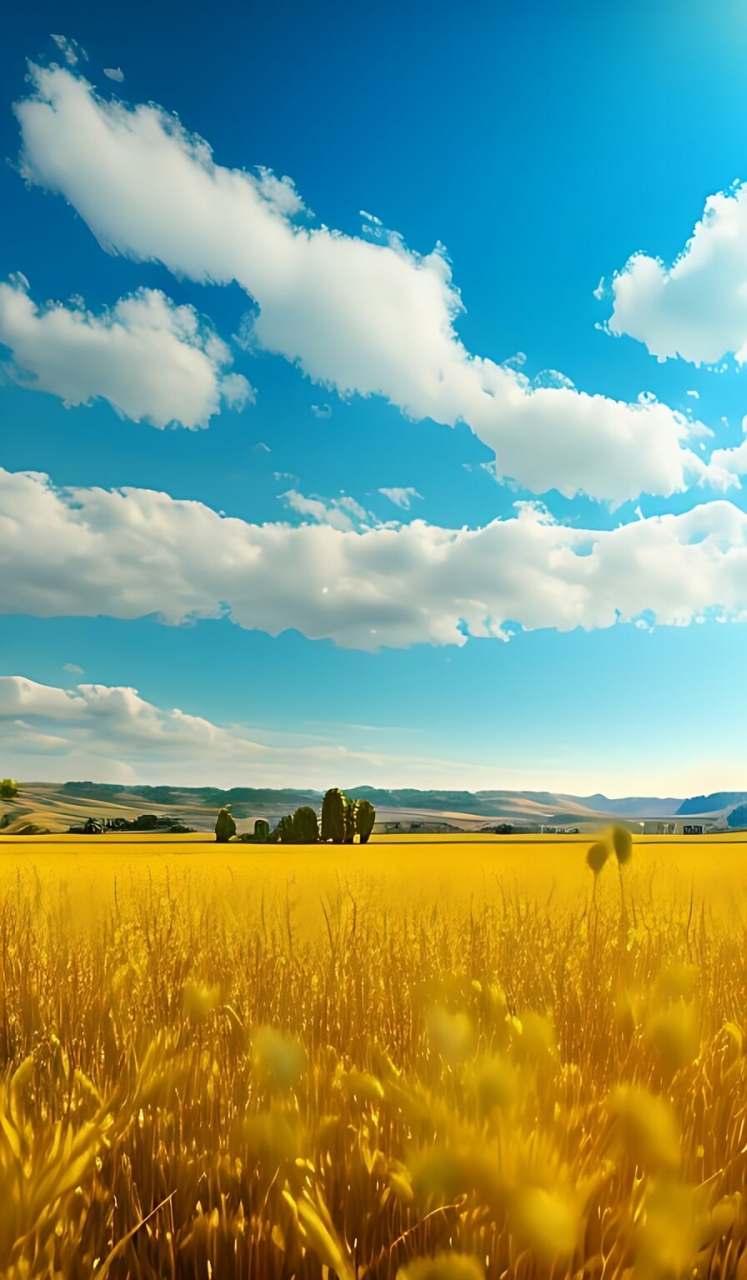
[{"x": 443, "y": 1059}]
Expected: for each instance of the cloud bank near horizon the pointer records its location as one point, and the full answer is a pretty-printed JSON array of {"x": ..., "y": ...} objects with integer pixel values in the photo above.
[{"x": 106, "y": 733}]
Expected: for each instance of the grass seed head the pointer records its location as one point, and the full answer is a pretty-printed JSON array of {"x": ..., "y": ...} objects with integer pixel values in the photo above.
[
  {"x": 646, "y": 1128},
  {"x": 545, "y": 1221},
  {"x": 534, "y": 1038},
  {"x": 675, "y": 1034},
  {"x": 445, "y": 1266},
  {"x": 279, "y": 1060},
  {"x": 622, "y": 843},
  {"x": 597, "y": 856},
  {"x": 199, "y": 1000},
  {"x": 452, "y": 1035},
  {"x": 497, "y": 1084}
]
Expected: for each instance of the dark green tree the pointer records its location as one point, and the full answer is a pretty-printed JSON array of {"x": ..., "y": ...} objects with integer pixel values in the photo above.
[
  {"x": 305, "y": 826},
  {"x": 261, "y": 830},
  {"x": 365, "y": 817},
  {"x": 284, "y": 830},
  {"x": 351, "y": 809},
  {"x": 8, "y": 789},
  {"x": 225, "y": 827},
  {"x": 333, "y": 816}
]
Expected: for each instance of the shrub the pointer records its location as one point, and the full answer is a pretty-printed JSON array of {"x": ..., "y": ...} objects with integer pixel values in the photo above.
[
  {"x": 333, "y": 816},
  {"x": 365, "y": 816},
  {"x": 349, "y": 812},
  {"x": 225, "y": 827},
  {"x": 305, "y": 826},
  {"x": 284, "y": 830},
  {"x": 8, "y": 789}
]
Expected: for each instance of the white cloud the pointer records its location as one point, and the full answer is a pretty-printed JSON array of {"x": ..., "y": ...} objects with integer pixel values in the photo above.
[
  {"x": 134, "y": 552},
  {"x": 73, "y": 668},
  {"x": 362, "y": 316},
  {"x": 342, "y": 513},
  {"x": 115, "y": 722},
  {"x": 71, "y": 51},
  {"x": 401, "y": 497},
  {"x": 321, "y": 410},
  {"x": 112, "y": 734},
  {"x": 727, "y": 465},
  {"x": 152, "y": 360},
  {"x": 114, "y": 73},
  {"x": 697, "y": 308}
]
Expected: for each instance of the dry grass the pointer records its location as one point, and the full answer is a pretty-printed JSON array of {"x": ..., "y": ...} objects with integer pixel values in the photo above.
[{"x": 267, "y": 1063}]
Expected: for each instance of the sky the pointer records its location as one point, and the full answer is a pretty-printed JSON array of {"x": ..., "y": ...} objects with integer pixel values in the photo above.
[{"x": 372, "y": 400}]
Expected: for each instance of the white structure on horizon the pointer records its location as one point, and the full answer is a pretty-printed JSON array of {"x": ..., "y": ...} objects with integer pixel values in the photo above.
[{"x": 678, "y": 827}]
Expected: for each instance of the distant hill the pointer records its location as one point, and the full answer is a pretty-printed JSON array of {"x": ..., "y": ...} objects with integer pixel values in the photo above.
[
  {"x": 207, "y": 795},
  {"x": 636, "y": 806},
  {"x": 738, "y": 816},
  {"x": 713, "y": 803},
  {"x": 58, "y": 805}
]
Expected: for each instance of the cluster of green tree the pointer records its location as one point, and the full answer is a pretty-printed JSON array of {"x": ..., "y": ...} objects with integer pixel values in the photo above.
[
  {"x": 8, "y": 789},
  {"x": 342, "y": 820}
]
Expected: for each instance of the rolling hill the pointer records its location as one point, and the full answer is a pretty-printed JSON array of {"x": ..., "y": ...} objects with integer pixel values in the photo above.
[{"x": 56, "y": 806}]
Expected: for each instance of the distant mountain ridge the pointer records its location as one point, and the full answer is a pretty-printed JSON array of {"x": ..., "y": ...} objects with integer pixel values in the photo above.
[
  {"x": 560, "y": 806},
  {"x": 635, "y": 806},
  {"x": 169, "y": 795},
  {"x": 475, "y": 802},
  {"x": 713, "y": 803}
]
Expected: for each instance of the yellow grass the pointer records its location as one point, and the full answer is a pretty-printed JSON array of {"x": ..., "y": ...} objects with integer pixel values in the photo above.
[{"x": 247, "y": 1061}]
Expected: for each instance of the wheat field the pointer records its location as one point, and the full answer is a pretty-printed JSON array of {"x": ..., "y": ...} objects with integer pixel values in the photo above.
[{"x": 434, "y": 1058}]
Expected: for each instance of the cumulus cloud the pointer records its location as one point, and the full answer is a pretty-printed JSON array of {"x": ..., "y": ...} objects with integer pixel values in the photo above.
[
  {"x": 342, "y": 513},
  {"x": 71, "y": 51},
  {"x": 726, "y": 466},
  {"x": 92, "y": 716},
  {"x": 134, "y": 552},
  {"x": 111, "y": 733},
  {"x": 401, "y": 497},
  {"x": 697, "y": 308},
  {"x": 362, "y": 315},
  {"x": 114, "y": 73},
  {"x": 152, "y": 360}
]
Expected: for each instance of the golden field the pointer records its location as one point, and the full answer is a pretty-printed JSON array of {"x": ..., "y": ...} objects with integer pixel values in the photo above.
[{"x": 434, "y": 1057}]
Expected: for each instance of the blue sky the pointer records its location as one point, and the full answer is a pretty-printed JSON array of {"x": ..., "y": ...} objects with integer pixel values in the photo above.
[{"x": 542, "y": 149}]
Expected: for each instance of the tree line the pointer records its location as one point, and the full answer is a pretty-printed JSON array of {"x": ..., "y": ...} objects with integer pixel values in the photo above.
[{"x": 341, "y": 821}]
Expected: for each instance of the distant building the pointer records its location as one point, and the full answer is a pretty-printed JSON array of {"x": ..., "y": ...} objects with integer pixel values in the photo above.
[
  {"x": 678, "y": 827},
  {"x": 390, "y": 827}
]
